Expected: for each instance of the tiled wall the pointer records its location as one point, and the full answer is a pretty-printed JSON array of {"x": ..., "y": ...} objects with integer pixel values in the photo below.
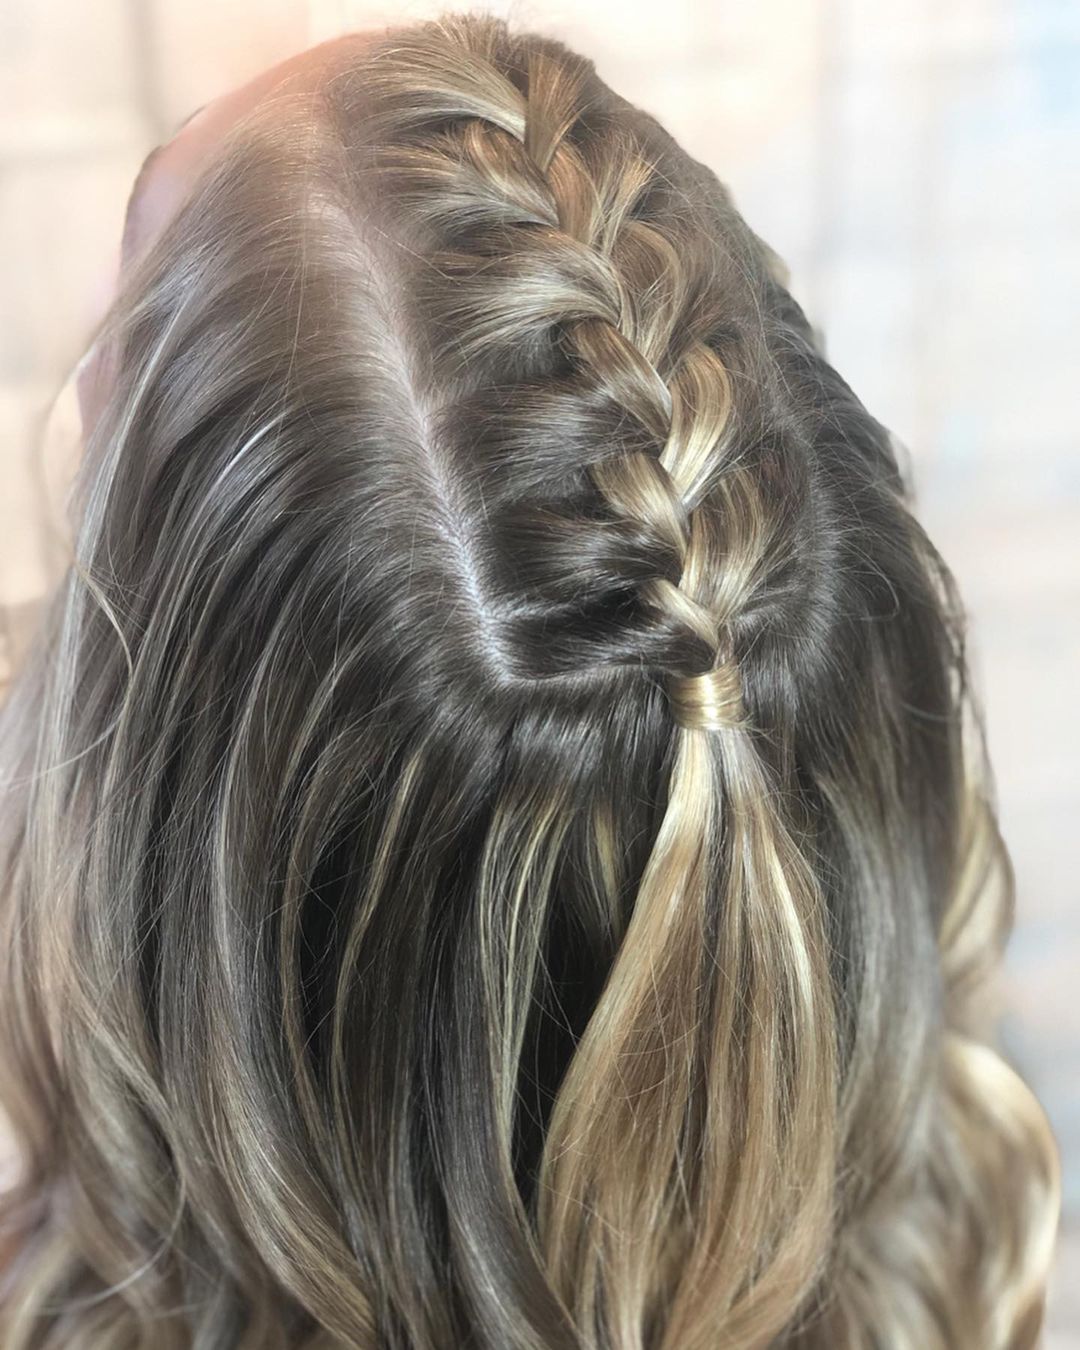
[{"x": 915, "y": 161}]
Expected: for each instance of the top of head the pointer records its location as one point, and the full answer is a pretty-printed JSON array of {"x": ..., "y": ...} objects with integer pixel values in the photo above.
[{"x": 483, "y": 330}]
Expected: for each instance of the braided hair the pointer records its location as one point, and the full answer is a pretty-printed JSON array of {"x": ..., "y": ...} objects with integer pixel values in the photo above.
[{"x": 530, "y": 870}]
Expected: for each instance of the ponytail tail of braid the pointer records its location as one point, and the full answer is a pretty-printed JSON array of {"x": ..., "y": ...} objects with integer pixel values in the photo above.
[{"x": 691, "y": 1158}]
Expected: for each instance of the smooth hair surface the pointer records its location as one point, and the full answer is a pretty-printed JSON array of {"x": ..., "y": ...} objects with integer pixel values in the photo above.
[{"x": 497, "y": 844}]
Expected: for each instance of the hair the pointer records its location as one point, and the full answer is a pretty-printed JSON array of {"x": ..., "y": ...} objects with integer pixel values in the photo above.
[{"x": 499, "y": 848}]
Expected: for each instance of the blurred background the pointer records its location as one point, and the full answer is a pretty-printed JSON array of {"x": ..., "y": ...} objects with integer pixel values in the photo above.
[{"x": 917, "y": 164}]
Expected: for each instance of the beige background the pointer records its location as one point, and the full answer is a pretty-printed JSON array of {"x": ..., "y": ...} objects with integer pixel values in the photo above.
[{"x": 916, "y": 163}]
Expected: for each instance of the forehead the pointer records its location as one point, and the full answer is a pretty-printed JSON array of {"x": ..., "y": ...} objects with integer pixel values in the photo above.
[{"x": 170, "y": 170}]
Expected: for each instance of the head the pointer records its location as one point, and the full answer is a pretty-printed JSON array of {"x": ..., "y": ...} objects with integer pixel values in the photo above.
[{"x": 498, "y": 848}]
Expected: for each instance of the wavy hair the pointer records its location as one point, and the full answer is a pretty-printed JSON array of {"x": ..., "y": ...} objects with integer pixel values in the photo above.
[{"x": 498, "y": 844}]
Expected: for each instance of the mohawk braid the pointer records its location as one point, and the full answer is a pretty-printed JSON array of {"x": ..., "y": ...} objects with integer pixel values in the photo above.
[
  {"x": 546, "y": 267},
  {"x": 484, "y": 156}
]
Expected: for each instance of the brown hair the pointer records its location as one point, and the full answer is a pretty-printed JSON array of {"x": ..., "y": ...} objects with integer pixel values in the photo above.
[{"x": 498, "y": 848}]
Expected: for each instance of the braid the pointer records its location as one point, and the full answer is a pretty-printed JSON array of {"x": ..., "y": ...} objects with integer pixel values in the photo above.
[{"x": 652, "y": 1211}]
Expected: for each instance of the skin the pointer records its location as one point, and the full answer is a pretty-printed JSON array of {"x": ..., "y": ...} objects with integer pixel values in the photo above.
[{"x": 171, "y": 169}]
